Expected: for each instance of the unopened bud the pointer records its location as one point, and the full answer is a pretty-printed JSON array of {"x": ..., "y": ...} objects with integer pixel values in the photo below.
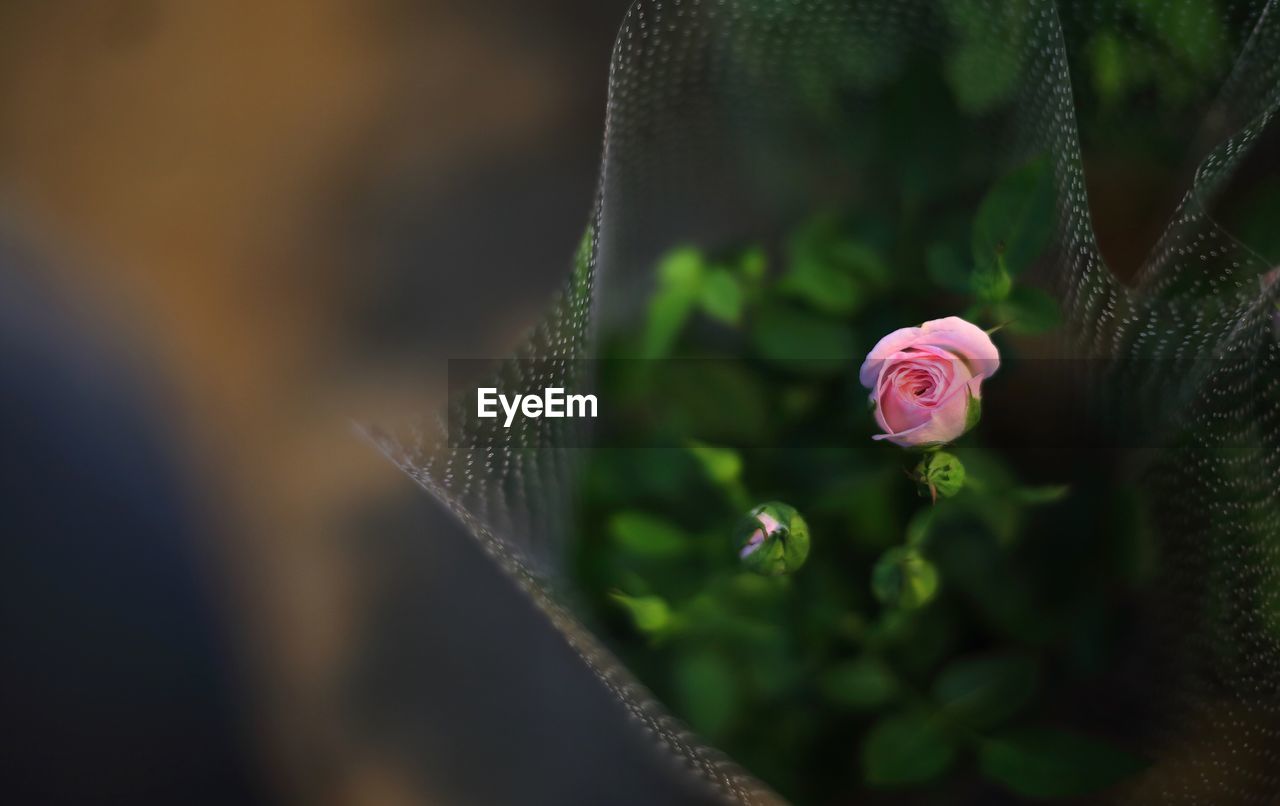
[
  {"x": 941, "y": 473},
  {"x": 773, "y": 539},
  {"x": 904, "y": 578}
]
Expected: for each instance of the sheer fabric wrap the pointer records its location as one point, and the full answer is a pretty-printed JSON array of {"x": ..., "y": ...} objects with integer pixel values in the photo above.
[{"x": 722, "y": 124}]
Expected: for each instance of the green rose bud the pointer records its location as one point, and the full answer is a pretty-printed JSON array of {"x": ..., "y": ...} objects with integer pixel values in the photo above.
[
  {"x": 773, "y": 539},
  {"x": 941, "y": 473},
  {"x": 904, "y": 578}
]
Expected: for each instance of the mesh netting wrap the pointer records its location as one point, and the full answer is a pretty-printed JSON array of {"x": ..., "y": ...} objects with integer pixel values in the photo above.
[{"x": 726, "y": 117}]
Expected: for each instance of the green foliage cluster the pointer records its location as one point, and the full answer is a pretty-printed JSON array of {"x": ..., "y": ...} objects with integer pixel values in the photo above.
[
  {"x": 921, "y": 644},
  {"x": 1156, "y": 46},
  {"x": 925, "y": 647}
]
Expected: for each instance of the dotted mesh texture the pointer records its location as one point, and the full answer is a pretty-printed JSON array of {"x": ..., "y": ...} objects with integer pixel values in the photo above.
[{"x": 711, "y": 134}]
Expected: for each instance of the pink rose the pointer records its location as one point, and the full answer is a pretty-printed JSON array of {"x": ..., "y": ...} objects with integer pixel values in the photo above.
[{"x": 926, "y": 382}]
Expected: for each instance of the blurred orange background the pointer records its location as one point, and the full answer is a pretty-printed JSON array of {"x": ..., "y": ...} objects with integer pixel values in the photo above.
[{"x": 284, "y": 216}]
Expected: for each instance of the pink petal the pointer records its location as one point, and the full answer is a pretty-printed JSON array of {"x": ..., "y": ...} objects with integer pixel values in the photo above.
[
  {"x": 894, "y": 342},
  {"x": 964, "y": 339},
  {"x": 754, "y": 542},
  {"x": 899, "y": 412},
  {"x": 909, "y": 421},
  {"x": 770, "y": 524},
  {"x": 944, "y": 425}
]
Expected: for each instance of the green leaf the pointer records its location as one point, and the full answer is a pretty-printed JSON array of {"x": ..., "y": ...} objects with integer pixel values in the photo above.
[
  {"x": 1111, "y": 79},
  {"x": 722, "y": 296},
  {"x": 918, "y": 527},
  {"x": 647, "y": 536},
  {"x": 1122, "y": 65},
  {"x": 923, "y": 640},
  {"x": 860, "y": 260},
  {"x": 902, "y": 577},
  {"x": 1030, "y": 310},
  {"x": 722, "y": 465},
  {"x": 985, "y": 691},
  {"x": 1048, "y": 494},
  {"x": 972, "y": 416},
  {"x": 707, "y": 691},
  {"x": 681, "y": 268},
  {"x": 865, "y": 503},
  {"x": 862, "y": 684},
  {"x": 821, "y": 285},
  {"x": 828, "y": 270},
  {"x": 947, "y": 270},
  {"x": 990, "y": 281},
  {"x": 1006, "y": 599},
  {"x": 983, "y": 75},
  {"x": 1054, "y": 764},
  {"x": 650, "y": 614},
  {"x": 990, "y": 480},
  {"x": 1015, "y": 220},
  {"x": 905, "y": 749},
  {"x": 623, "y": 476},
  {"x": 753, "y": 263},
  {"x": 679, "y": 285},
  {"x": 803, "y": 342},
  {"x": 1193, "y": 30},
  {"x": 719, "y": 400}
]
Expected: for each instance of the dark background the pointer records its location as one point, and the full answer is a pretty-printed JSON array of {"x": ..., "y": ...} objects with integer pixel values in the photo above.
[{"x": 229, "y": 230}]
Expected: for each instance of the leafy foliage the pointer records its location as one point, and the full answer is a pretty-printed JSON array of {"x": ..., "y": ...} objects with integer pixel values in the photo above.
[
  {"x": 985, "y": 691},
  {"x": 1054, "y": 764},
  {"x": 920, "y": 644},
  {"x": 908, "y": 748},
  {"x": 904, "y": 578},
  {"x": 862, "y": 684}
]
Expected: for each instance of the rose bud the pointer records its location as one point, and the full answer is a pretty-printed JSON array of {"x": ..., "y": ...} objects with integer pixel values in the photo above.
[
  {"x": 903, "y": 578},
  {"x": 773, "y": 539},
  {"x": 926, "y": 382},
  {"x": 941, "y": 473}
]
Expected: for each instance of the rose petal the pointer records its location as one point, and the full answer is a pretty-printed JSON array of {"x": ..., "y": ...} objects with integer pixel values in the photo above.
[
  {"x": 754, "y": 542},
  {"x": 899, "y": 412},
  {"x": 910, "y": 420},
  {"x": 930, "y": 359},
  {"x": 890, "y": 344},
  {"x": 962, "y": 376},
  {"x": 944, "y": 425},
  {"x": 964, "y": 339},
  {"x": 770, "y": 524}
]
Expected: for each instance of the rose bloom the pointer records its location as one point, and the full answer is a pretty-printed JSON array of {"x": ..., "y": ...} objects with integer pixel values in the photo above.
[{"x": 926, "y": 382}]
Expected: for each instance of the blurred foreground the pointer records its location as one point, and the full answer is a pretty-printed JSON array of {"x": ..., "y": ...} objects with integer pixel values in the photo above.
[{"x": 229, "y": 229}]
